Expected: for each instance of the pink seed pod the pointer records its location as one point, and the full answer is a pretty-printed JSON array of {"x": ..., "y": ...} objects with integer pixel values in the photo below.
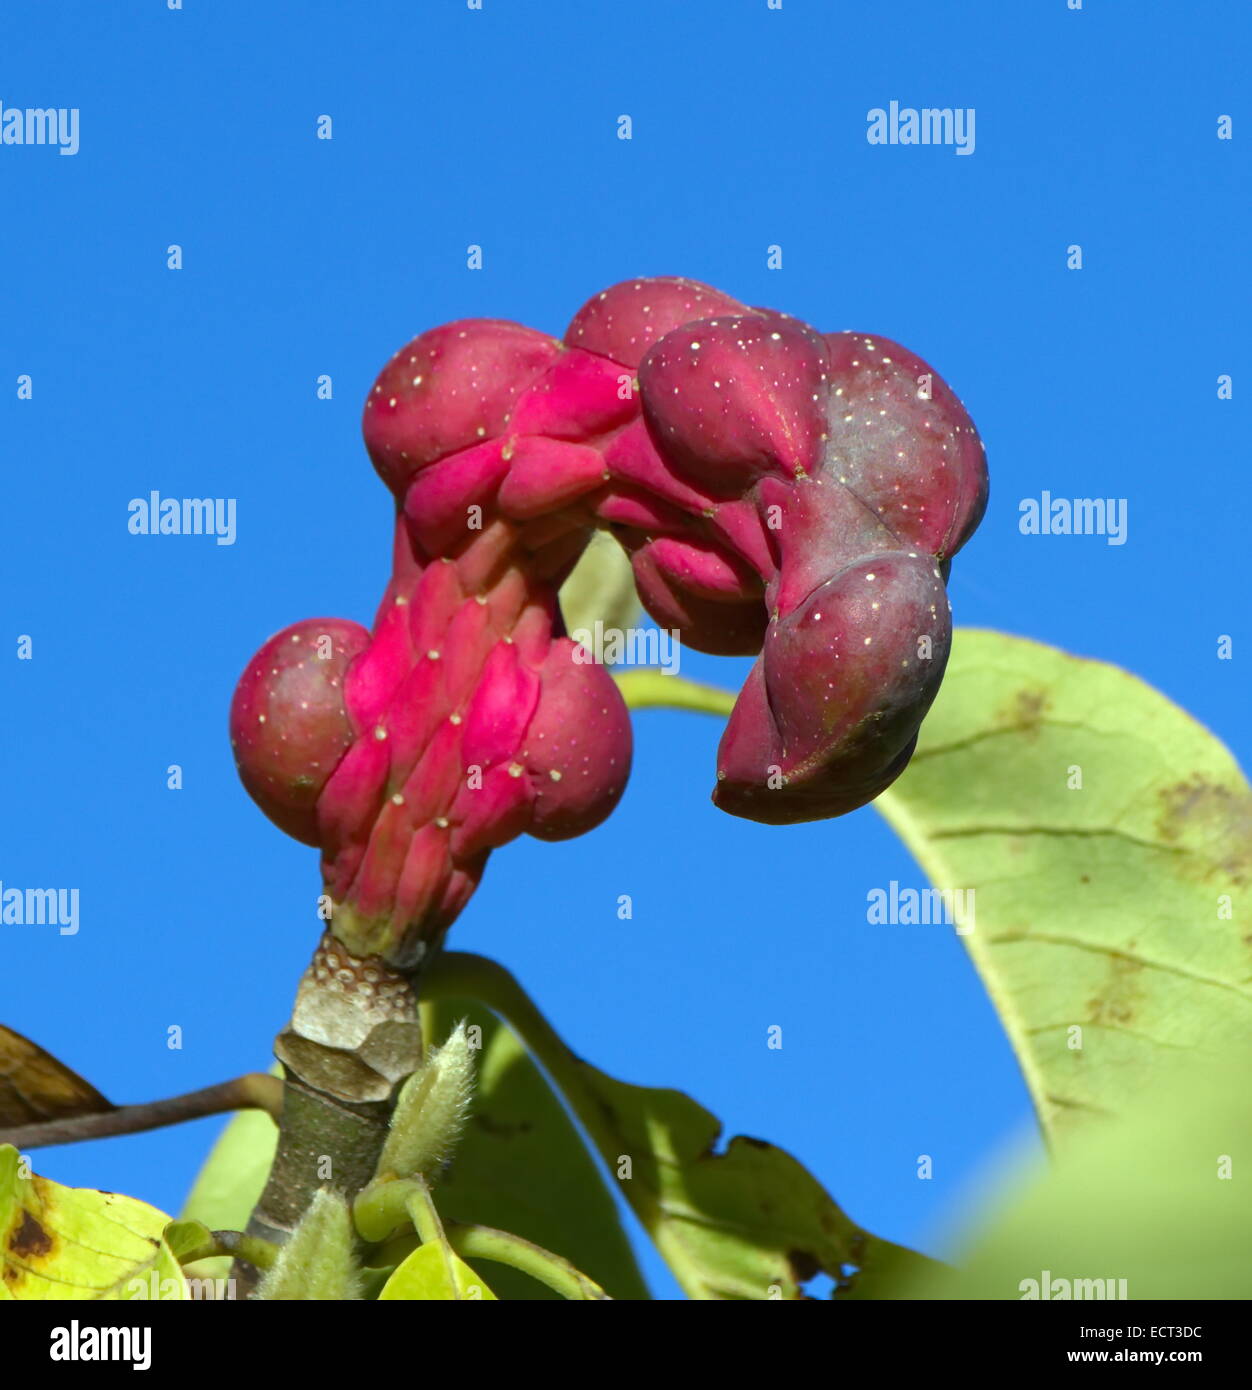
[
  {"x": 904, "y": 443},
  {"x": 623, "y": 322},
  {"x": 715, "y": 606},
  {"x": 730, "y": 399},
  {"x": 848, "y": 676},
  {"x": 780, "y": 493},
  {"x": 577, "y": 747},
  {"x": 448, "y": 389},
  {"x": 289, "y": 725}
]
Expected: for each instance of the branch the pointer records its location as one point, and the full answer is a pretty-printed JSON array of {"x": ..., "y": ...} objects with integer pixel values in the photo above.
[
  {"x": 486, "y": 1243},
  {"x": 353, "y": 1039},
  {"x": 383, "y": 1206},
  {"x": 654, "y": 690},
  {"x": 255, "y": 1091},
  {"x": 232, "y": 1244}
]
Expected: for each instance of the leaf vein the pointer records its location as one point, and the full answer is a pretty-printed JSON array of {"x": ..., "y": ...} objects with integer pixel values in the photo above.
[
  {"x": 1049, "y": 940},
  {"x": 1079, "y": 832}
]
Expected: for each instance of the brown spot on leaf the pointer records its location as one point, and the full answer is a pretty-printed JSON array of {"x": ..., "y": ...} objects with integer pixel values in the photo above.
[
  {"x": 803, "y": 1266},
  {"x": 1026, "y": 711},
  {"x": 1120, "y": 998},
  {"x": 30, "y": 1238},
  {"x": 1216, "y": 820}
]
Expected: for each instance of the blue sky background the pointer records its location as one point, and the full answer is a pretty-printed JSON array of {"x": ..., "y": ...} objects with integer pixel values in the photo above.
[{"x": 305, "y": 257}]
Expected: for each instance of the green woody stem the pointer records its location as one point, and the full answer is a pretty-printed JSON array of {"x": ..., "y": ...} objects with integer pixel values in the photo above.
[{"x": 353, "y": 1038}]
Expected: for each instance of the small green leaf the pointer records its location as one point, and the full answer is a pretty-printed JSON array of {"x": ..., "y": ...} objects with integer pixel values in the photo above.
[
  {"x": 233, "y": 1177},
  {"x": 73, "y": 1243},
  {"x": 1108, "y": 839},
  {"x": 433, "y": 1272},
  {"x": 186, "y": 1237},
  {"x": 880, "y": 1269}
]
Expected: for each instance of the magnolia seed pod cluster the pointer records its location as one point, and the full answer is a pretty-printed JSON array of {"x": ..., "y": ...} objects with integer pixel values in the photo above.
[{"x": 781, "y": 493}]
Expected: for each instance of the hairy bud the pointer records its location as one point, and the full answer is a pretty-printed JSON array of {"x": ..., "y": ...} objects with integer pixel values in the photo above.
[
  {"x": 430, "y": 1112},
  {"x": 319, "y": 1260}
]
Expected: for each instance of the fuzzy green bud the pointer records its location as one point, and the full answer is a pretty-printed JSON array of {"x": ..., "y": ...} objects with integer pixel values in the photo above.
[
  {"x": 318, "y": 1262},
  {"x": 431, "y": 1110}
]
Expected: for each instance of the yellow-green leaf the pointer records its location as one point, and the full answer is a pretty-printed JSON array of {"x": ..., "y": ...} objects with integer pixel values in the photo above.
[
  {"x": 881, "y": 1267},
  {"x": 75, "y": 1243},
  {"x": 434, "y": 1272},
  {"x": 1107, "y": 837},
  {"x": 185, "y": 1237}
]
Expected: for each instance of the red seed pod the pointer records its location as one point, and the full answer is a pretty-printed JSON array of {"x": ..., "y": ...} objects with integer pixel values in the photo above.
[
  {"x": 448, "y": 389},
  {"x": 624, "y": 321},
  {"x": 731, "y": 399},
  {"x": 903, "y": 442},
  {"x": 577, "y": 748},
  {"x": 780, "y": 493},
  {"x": 289, "y": 725}
]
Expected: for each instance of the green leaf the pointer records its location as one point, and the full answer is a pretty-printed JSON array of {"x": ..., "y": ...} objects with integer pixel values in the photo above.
[
  {"x": 73, "y": 1243},
  {"x": 1108, "y": 839},
  {"x": 601, "y": 587},
  {"x": 881, "y": 1267},
  {"x": 522, "y": 1167},
  {"x": 1158, "y": 1198},
  {"x": 185, "y": 1237},
  {"x": 747, "y": 1223},
  {"x": 434, "y": 1272}
]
